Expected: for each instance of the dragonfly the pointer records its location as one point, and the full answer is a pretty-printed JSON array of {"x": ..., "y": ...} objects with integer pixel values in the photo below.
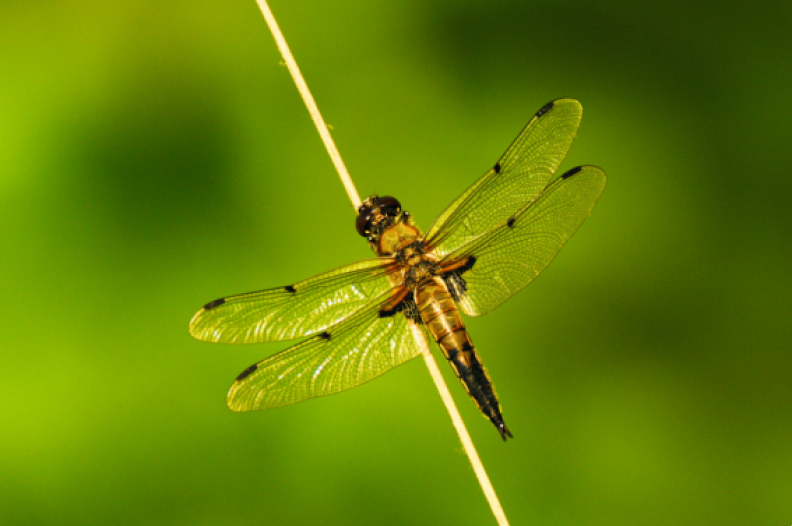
[{"x": 487, "y": 245}]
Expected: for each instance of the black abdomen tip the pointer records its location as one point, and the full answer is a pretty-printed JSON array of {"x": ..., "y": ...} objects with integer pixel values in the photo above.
[{"x": 503, "y": 430}]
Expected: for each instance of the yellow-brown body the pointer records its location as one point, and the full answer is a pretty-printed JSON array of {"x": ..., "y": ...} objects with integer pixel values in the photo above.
[
  {"x": 440, "y": 314},
  {"x": 423, "y": 294}
]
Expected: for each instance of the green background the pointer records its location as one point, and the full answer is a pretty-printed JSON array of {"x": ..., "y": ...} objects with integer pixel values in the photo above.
[{"x": 155, "y": 156}]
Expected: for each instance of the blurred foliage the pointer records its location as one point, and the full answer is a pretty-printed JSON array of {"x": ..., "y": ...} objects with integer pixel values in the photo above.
[{"x": 154, "y": 156}]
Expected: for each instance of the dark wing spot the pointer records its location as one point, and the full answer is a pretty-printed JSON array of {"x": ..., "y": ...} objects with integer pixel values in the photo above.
[
  {"x": 469, "y": 265},
  {"x": 325, "y": 335},
  {"x": 212, "y": 304},
  {"x": 290, "y": 288},
  {"x": 497, "y": 168},
  {"x": 547, "y": 107},
  {"x": 456, "y": 284},
  {"x": 388, "y": 313},
  {"x": 247, "y": 372},
  {"x": 407, "y": 306},
  {"x": 411, "y": 311},
  {"x": 510, "y": 222},
  {"x": 571, "y": 172}
]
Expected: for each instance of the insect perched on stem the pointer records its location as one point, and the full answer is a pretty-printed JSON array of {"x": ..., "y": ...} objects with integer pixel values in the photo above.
[{"x": 488, "y": 244}]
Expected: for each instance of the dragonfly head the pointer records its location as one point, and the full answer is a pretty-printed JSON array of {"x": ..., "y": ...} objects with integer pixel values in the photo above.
[{"x": 375, "y": 214}]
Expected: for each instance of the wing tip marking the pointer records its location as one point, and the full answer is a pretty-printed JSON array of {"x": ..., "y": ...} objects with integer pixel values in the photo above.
[
  {"x": 290, "y": 288},
  {"x": 547, "y": 107},
  {"x": 572, "y": 172},
  {"x": 213, "y": 304},
  {"x": 247, "y": 372}
]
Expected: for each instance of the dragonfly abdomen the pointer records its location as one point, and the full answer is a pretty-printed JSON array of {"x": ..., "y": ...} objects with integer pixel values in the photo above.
[{"x": 441, "y": 317}]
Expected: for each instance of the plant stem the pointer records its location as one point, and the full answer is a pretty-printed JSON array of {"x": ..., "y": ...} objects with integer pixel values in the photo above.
[
  {"x": 420, "y": 338},
  {"x": 302, "y": 87}
]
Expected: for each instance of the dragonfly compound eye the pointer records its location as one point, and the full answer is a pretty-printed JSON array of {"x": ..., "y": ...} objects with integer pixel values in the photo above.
[
  {"x": 389, "y": 205},
  {"x": 362, "y": 221}
]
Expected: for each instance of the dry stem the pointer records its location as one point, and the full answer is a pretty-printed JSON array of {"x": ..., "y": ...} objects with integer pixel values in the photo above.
[
  {"x": 302, "y": 87},
  {"x": 431, "y": 364}
]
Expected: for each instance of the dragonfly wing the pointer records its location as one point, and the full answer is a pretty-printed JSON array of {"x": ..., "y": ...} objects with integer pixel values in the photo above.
[
  {"x": 357, "y": 350},
  {"x": 515, "y": 180},
  {"x": 305, "y": 308},
  {"x": 514, "y": 253}
]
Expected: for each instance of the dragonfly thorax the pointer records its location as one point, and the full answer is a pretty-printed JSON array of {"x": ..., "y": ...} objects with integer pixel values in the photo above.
[
  {"x": 418, "y": 265},
  {"x": 392, "y": 232},
  {"x": 400, "y": 239}
]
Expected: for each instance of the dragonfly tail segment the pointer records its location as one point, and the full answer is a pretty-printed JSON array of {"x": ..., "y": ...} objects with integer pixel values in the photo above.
[
  {"x": 435, "y": 303},
  {"x": 503, "y": 430},
  {"x": 471, "y": 372}
]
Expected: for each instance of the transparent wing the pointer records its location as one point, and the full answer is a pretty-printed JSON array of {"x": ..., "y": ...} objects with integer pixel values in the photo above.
[
  {"x": 307, "y": 307},
  {"x": 514, "y": 253},
  {"x": 515, "y": 180},
  {"x": 359, "y": 349}
]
